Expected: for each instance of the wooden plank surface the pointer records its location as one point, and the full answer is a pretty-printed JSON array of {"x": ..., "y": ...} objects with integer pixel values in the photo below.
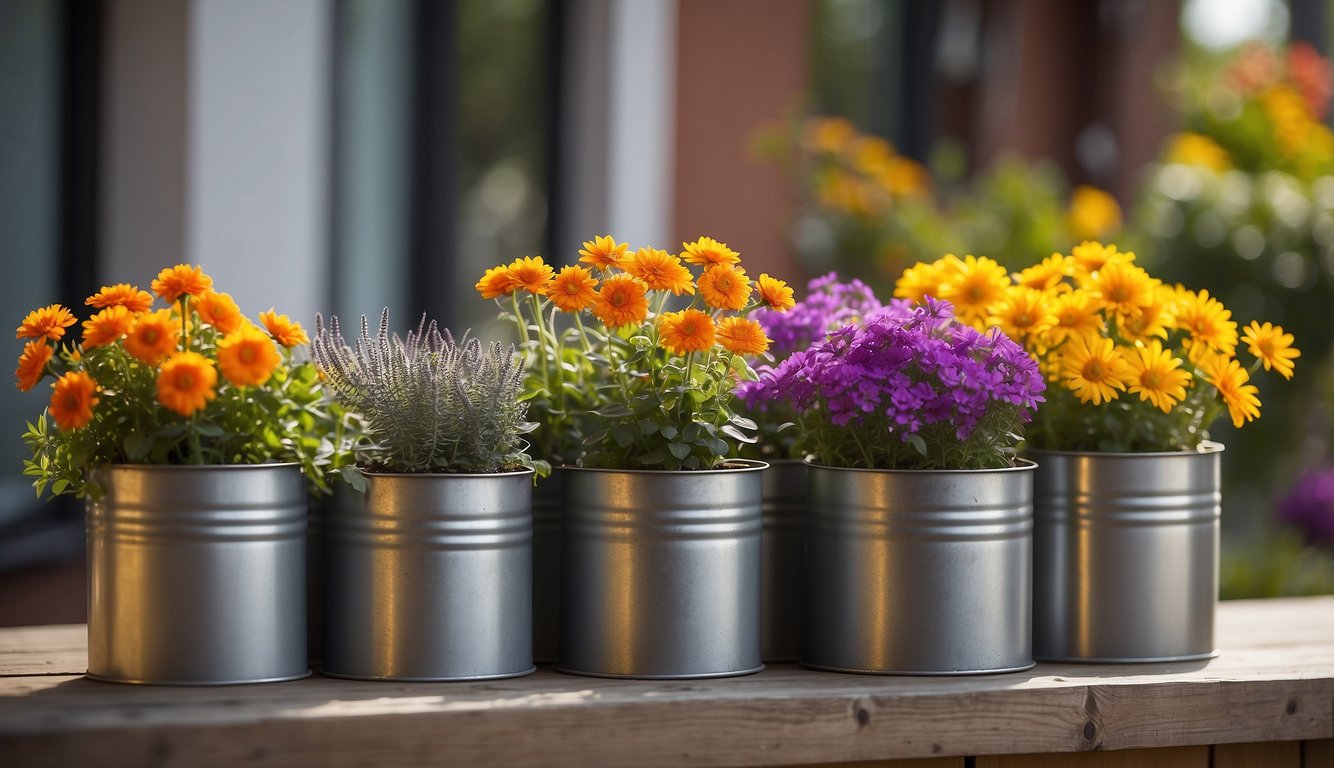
[{"x": 1274, "y": 681}]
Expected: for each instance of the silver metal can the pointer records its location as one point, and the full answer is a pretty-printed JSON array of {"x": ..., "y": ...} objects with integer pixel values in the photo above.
[
  {"x": 431, "y": 579},
  {"x": 197, "y": 574},
  {"x": 919, "y": 572},
  {"x": 546, "y": 567},
  {"x": 1125, "y": 562},
  {"x": 661, "y": 572},
  {"x": 783, "y": 546}
]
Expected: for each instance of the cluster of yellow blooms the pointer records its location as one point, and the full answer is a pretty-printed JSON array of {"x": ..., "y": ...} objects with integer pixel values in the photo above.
[
  {"x": 158, "y": 338},
  {"x": 617, "y": 286},
  {"x": 1100, "y": 325},
  {"x": 859, "y": 174}
]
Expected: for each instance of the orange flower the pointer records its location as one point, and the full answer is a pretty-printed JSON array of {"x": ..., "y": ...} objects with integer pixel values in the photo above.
[
  {"x": 686, "y": 331},
  {"x": 775, "y": 293},
  {"x": 49, "y": 321},
  {"x": 661, "y": 271},
  {"x": 283, "y": 330},
  {"x": 742, "y": 336},
  {"x": 497, "y": 282},
  {"x": 532, "y": 274},
  {"x": 107, "y": 326},
  {"x": 186, "y": 382},
  {"x": 709, "y": 252},
  {"x": 724, "y": 287},
  {"x": 622, "y": 300},
  {"x": 73, "y": 400},
  {"x": 153, "y": 336},
  {"x": 247, "y": 357},
  {"x": 32, "y": 364},
  {"x": 121, "y": 295},
  {"x": 219, "y": 311},
  {"x": 181, "y": 280},
  {"x": 573, "y": 289},
  {"x": 603, "y": 252}
]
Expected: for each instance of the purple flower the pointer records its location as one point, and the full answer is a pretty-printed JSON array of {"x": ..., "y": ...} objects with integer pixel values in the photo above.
[{"x": 1310, "y": 506}]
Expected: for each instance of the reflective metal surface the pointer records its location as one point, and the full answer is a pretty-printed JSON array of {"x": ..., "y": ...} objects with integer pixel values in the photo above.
[
  {"x": 919, "y": 572},
  {"x": 197, "y": 575},
  {"x": 783, "y": 546},
  {"x": 661, "y": 573},
  {"x": 431, "y": 579},
  {"x": 546, "y": 567},
  {"x": 1125, "y": 562}
]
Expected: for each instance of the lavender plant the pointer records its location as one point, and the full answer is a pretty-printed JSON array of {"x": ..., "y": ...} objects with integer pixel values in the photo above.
[
  {"x": 908, "y": 388},
  {"x": 429, "y": 404}
]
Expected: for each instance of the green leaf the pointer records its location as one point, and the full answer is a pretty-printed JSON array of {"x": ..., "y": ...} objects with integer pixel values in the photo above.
[
  {"x": 668, "y": 431},
  {"x": 917, "y": 443},
  {"x": 679, "y": 450},
  {"x": 648, "y": 427},
  {"x": 655, "y": 456},
  {"x": 613, "y": 411},
  {"x": 624, "y": 435},
  {"x": 743, "y": 422},
  {"x": 737, "y": 434}
]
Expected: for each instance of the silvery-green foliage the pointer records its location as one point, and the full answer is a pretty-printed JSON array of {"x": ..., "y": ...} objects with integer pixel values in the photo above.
[{"x": 429, "y": 404}]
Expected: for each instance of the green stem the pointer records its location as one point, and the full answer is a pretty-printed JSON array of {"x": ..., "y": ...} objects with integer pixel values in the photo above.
[
  {"x": 542, "y": 344},
  {"x": 195, "y": 449},
  {"x": 185, "y": 324},
  {"x": 519, "y": 318}
]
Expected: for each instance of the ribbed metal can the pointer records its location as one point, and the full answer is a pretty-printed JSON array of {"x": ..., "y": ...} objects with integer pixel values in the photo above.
[
  {"x": 661, "y": 572},
  {"x": 197, "y": 574},
  {"x": 546, "y": 567},
  {"x": 1125, "y": 562},
  {"x": 431, "y": 579},
  {"x": 919, "y": 572},
  {"x": 783, "y": 554}
]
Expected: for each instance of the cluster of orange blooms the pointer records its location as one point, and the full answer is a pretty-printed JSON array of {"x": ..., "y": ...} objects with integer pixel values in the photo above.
[
  {"x": 857, "y": 173},
  {"x": 1100, "y": 325},
  {"x": 615, "y": 286},
  {"x": 158, "y": 338}
]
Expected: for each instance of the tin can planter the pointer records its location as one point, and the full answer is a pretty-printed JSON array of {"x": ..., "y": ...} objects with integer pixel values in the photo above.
[
  {"x": 197, "y": 574},
  {"x": 431, "y": 579},
  {"x": 661, "y": 572},
  {"x": 546, "y": 567},
  {"x": 783, "y": 554},
  {"x": 919, "y": 572},
  {"x": 1125, "y": 564}
]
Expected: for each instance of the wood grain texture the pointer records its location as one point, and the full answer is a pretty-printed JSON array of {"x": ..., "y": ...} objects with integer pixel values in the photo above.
[
  {"x": 1164, "y": 757},
  {"x": 1274, "y": 681},
  {"x": 1269, "y": 754}
]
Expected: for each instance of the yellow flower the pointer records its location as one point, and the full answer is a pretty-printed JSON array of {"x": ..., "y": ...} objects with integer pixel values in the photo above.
[
  {"x": 775, "y": 293},
  {"x": 922, "y": 279},
  {"x": 32, "y": 364},
  {"x": 1197, "y": 149},
  {"x": 122, "y": 295},
  {"x": 661, "y": 271},
  {"x": 186, "y": 382},
  {"x": 283, "y": 330},
  {"x": 497, "y": 282},
  {"x": 1089, "y": 256},
  {"x": 532, "y": 274},
  {"x": 247, "y": 357},
  {"x": 153, "y": 336},
  {"x": 573, "y": 289},
  {"x": 1076, "y": 317},
  {"x": 1156, "y": 375},
  {"x": 107, "y": 326},
  {"x": 181, "y": 280},
  {"x": 903, "y": 177},
  {"x": 622, "y": 300},
  {"x": 1023, "y": 314},
  {"x": 1272, "y": 347},
  {"x": 724, "y": 287},
  {"x": 1093, "y": 214},
  {"x": 1230, "y": 379},
  {"x": 48, "y": 322},
  {"x": 1207, "y": 322},
  {"x": 219, "y": 311},
  {"x": 603, "y": 252},
  {"x": 1154, "y": 319},
  {"x": 707, "y": 252},
  {"x": 1094, "y": 370},
  {"x": 1122, "y": 288},
  {"x": 1047, "y": 274},
  {"x": 829, "y": 134},
  {"x": 73, "y": 399},
  {"x": 742, "y": 336},
  {"x": 981, "y": 283},
  {"x": 686, "y": 331}
]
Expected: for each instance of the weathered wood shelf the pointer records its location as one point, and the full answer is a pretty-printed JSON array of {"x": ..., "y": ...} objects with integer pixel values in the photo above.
[{"x": 1273, "y": 682}]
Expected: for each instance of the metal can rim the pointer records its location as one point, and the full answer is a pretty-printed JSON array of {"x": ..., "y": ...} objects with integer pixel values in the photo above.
[
  {"x": 448, "y": 475},
  {"x": 749, "y": 465},
  {"x": 1022, "y": 465},
  {"x": 1207, "y": 448}
]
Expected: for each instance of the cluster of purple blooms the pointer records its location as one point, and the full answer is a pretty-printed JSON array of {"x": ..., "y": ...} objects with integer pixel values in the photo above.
[
  {"x": 1310, "y": 506},
  {"x": 956, "y": 395},
  {"x": 828, "y": 305}
]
